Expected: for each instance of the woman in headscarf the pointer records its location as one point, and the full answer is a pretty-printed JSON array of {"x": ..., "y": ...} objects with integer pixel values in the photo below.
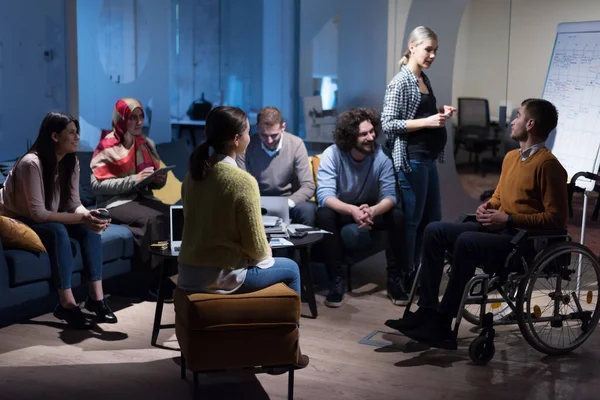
[{"x": 124, "y": 158}]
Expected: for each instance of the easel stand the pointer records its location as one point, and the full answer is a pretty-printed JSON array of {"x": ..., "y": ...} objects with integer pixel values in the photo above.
[{"x": 593, "y": 177}]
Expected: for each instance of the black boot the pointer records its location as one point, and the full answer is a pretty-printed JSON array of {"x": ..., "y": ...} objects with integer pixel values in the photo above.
[
  {"x": 396, "y": 291},
  {"x": 73, "y": 316},
  {"x": 336, "y": 292},
  {"x": 102, "y": 311}
]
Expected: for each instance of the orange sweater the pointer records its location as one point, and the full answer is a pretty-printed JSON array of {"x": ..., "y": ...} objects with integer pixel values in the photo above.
[{"x": 533, "y": 191}]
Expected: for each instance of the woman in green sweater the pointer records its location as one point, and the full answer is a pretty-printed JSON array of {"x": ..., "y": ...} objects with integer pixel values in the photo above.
[{"x": 224, "y": 247}]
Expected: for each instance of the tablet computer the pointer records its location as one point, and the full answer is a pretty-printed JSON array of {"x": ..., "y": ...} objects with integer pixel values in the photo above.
[{"x": 161, "y": 171}]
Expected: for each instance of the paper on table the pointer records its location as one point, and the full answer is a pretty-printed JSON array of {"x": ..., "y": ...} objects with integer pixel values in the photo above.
[{"x": 280, "y": 242}]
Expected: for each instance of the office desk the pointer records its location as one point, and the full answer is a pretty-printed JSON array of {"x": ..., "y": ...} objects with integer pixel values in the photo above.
[{"x": 195, "y": 129}]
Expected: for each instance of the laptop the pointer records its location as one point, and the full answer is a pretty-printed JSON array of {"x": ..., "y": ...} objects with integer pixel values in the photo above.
[
  {"x": 176, "y": 229},
  {"x": 276, "y": 206}
]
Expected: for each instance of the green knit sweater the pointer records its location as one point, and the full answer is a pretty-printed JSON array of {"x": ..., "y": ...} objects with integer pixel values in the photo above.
[{"x": 223, "y": 225}]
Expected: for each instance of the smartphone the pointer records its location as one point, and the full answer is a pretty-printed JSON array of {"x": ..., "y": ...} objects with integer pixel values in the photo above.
[
  {"x": 298, "y": 235},
  {"x": 309, "y": 229}
]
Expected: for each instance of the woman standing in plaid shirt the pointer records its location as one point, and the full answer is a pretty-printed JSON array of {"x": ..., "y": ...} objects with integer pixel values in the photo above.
[{"x": 416, "y": 135}]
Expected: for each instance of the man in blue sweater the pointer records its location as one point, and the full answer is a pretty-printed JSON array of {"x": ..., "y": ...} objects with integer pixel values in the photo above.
[{"x": 356, "y": 185}]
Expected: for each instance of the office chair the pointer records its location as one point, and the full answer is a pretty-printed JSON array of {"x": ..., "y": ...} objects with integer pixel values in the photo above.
[{"x": 474, "y": 132}]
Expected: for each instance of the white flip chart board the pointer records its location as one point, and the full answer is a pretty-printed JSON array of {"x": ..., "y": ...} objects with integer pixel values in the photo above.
[{"x": 573, "y": 86}]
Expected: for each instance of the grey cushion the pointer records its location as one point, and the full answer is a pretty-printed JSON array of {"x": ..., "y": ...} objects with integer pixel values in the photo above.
[
  {"x": 117, "y": 242},
  {"x": 6, "y": 166},
  {"x": 25, "y": 266},
  {"x": 175, "y": 153}
]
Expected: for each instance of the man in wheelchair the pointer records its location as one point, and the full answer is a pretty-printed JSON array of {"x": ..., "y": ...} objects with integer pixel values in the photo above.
[{"x": 531, "y": 194}]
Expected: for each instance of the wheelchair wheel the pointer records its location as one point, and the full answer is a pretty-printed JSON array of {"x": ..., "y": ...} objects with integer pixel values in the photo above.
[
  {"x": 557, "y": 304},
  {"x": 482, "y": 350},
  {"x": 500, "y": 310}
]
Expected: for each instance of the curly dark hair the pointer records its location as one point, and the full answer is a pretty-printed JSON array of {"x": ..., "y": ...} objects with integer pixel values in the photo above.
[{"x": 346, "y": 130}]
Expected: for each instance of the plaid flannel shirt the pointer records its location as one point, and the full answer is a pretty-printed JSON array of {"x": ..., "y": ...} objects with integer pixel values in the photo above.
[{"x": 402, "y": 99}]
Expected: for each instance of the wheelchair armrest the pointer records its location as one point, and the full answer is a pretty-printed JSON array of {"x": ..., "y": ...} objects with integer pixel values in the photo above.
[
  {"x": 467, "y": 218},
  {"x": 525, "y": 234}
]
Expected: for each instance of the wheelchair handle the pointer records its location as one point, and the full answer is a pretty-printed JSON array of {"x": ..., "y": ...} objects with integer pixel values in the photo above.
[{"x": 587, "y": 175}]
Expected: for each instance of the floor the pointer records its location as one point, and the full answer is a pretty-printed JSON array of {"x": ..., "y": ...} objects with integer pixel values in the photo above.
[
  {"x": 42, "y": 359},
  {"x": 117, "y": 362}
]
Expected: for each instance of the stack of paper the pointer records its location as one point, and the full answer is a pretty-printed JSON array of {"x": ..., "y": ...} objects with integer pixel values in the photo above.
[{"x": 274, "y": 227}]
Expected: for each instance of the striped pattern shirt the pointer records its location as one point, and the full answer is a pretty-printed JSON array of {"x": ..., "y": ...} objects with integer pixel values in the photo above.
[{"x": 401, "y": 102}]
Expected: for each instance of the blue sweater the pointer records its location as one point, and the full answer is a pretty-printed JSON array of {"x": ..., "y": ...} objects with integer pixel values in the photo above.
[{"x": 353, "y": 182}]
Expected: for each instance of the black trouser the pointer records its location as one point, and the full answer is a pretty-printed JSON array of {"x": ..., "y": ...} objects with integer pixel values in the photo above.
[
  {"x": 331, "y": 221},
  {"x": 472, "y": 246},
  {"x": 148, "y": 220}
]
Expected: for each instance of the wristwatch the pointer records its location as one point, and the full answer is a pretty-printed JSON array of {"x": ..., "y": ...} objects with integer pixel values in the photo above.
[{"x": 510, "y": 222}]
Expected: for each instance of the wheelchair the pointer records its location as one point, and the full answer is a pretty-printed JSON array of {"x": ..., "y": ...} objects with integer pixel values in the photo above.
[{"x": 548, "y": 286}]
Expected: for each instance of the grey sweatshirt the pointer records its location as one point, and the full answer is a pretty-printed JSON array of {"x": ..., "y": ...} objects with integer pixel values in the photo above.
[{"x": 287, "y": 173}]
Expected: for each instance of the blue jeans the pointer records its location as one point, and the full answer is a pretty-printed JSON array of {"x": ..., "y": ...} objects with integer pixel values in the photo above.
[
  {"x": 284, "y": 270},
  {"x": 422, "y": 203},
  {"x": 56, "y": 239}
]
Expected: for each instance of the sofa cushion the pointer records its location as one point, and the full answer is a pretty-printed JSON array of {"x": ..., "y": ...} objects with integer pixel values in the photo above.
[
  {"x": 313, "y": 162},
  {"x": 275, "y": 305},
  {"x": 15, "y": 234},
  {"x": 6, "y": 166},
  {"x": 26, "y": 267},
  {"x": 87, "y": 196},
  {"x": 117, "y": 242}
]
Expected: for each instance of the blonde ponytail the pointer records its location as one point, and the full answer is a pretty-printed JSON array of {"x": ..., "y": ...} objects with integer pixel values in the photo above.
[{"x": 404, "y": 59}]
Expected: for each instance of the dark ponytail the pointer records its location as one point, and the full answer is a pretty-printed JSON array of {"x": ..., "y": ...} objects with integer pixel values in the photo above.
[
  {"x": 223, "y": 124},
  {"x": 199, "y": 164}
]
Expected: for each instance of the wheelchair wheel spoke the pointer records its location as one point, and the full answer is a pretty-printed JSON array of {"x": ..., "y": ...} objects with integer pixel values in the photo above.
[{"x": 559, "y": 298}]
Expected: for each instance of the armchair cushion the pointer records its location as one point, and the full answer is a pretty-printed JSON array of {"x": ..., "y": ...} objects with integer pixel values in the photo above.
[
  {"x": 171, "y": 192},
  {"x": 237, "y": 330},
  {"x": 273, "y": 306}
]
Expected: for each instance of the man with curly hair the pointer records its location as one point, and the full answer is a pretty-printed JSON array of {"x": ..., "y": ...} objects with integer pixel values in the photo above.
[{"x": 356, "y": 185}]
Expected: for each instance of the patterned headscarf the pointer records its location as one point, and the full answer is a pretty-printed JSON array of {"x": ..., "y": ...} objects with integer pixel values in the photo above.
[{"x": 111, "y": 159}]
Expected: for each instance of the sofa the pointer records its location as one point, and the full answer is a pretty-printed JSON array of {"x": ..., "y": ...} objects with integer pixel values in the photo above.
[{"x": 26, "y": 284}]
